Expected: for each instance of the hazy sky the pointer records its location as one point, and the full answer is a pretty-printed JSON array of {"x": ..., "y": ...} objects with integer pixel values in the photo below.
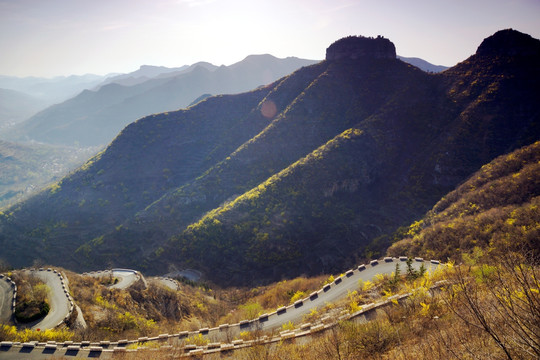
[{"x": 62, "y": 37}]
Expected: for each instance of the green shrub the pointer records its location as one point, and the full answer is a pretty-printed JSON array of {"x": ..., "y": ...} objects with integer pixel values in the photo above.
[{"x": 26, "y": 312}]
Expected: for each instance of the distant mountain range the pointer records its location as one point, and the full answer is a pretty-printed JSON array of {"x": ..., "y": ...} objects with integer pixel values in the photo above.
[
  {"x": 95, "y": 117},
  {"x": 144, "y": 73},
  {"x": 16, "y": 106},
  {"x": 423, "y": 64},
  {"x": 51, "y": 90},
  {"x": 308, "y": 174}
]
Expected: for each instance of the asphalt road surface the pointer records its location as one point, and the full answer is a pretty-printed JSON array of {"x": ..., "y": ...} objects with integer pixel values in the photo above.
[
  {"x": 6, "y": 301},
  {"x": 126, "y": 278}
]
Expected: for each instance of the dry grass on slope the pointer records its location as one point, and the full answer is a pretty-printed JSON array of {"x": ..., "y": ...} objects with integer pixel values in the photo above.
[{"x": 141, "y": 311}]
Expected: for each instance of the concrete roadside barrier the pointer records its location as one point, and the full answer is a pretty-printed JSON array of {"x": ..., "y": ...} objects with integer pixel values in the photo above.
[{"x": 243, "y": 324}]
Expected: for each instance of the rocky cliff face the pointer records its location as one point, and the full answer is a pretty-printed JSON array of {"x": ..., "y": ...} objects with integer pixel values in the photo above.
[{"x": 357, "y": 47}]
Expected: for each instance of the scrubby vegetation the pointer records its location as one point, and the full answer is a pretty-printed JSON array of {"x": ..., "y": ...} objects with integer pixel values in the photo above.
[
  {"x": 138, "y": 311},
  {"x": 497, "y": 209},
  {"x": 250, "y": 303}
]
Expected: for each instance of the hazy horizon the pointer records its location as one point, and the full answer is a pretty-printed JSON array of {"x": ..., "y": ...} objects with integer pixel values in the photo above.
[{"x": 62, "y": 38}]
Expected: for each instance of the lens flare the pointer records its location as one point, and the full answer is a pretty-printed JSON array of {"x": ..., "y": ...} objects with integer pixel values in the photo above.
[{"x": 268, "y": 109}]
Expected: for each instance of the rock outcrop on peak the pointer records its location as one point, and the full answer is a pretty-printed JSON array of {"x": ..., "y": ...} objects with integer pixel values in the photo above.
[
  {"x": 357, "y": 47},
  {"x": 509, "y": 42}
]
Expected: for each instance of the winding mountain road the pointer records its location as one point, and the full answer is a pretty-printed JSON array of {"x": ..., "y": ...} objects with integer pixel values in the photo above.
[
  {"x": 294, "y": 313},
  {"x": 59, "y": 301}
]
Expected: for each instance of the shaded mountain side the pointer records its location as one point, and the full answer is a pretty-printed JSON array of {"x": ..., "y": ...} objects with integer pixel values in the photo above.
[
  {"x": 148, "y": 158},
  {"x": 184, "y": 204},
  {"x": 95, "y": 117},
  {"x": 496, "y": 209},
  {"x": 315, "y": 216},
  {"x": 405, "y": 182},
  {"x": 306, "y": 123},
  {"x": 305, "y": 175}
]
